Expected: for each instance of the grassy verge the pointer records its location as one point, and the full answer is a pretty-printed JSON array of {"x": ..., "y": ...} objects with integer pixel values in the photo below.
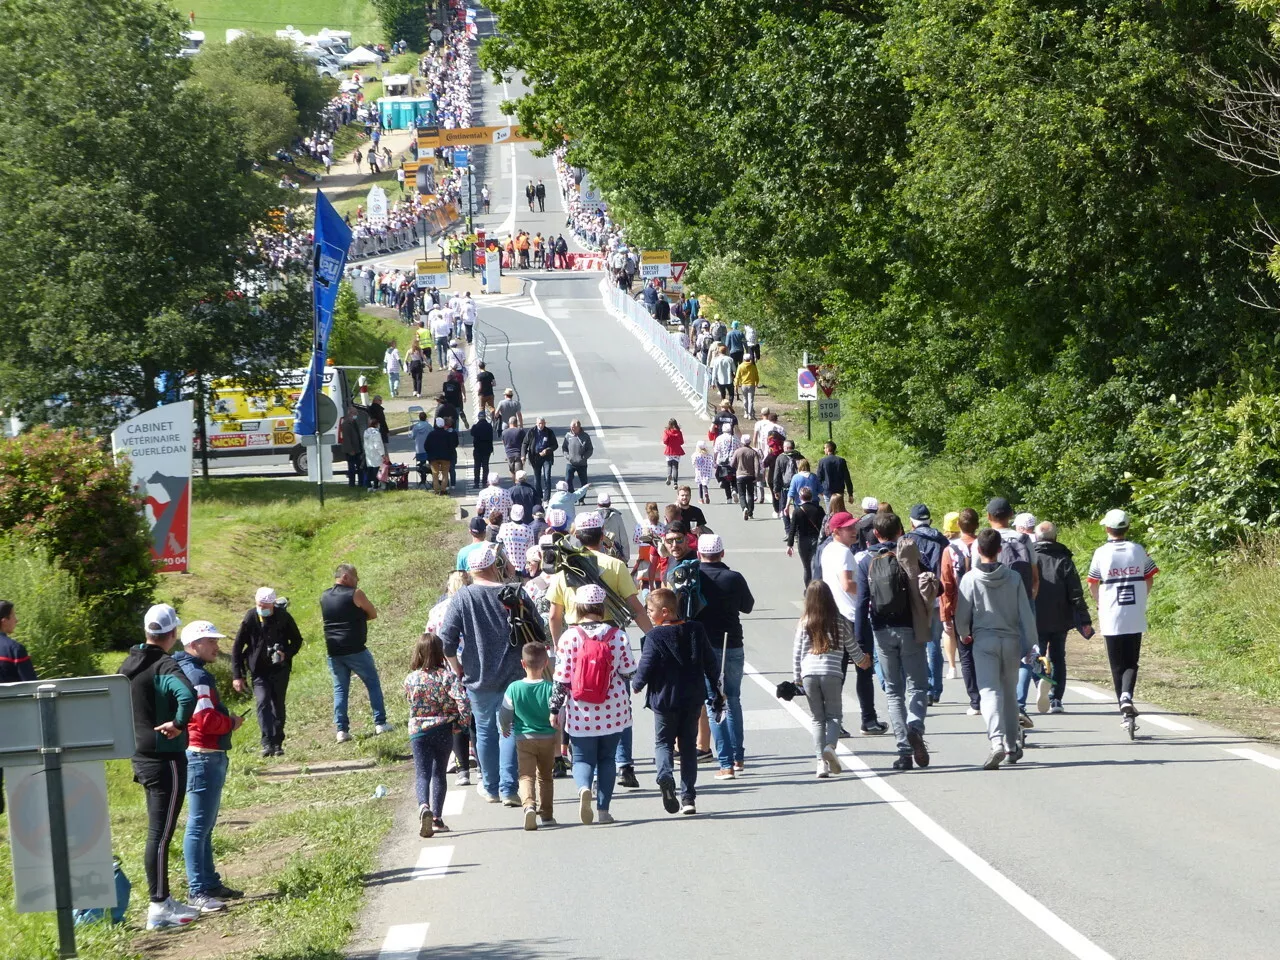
[
  {"x": 299, "y": 845},
  {"x": 1213, "y": 649},
  {"x": 214, "y": 17}
]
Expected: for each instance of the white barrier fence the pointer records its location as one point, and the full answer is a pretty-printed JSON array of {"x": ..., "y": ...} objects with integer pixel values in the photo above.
[{"x": 690, "y": 375}]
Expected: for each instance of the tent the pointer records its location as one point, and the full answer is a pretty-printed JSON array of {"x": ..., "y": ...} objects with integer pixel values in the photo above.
[
  {"x": 398, "y": 85},
  {"x": 360, "y": 55}
]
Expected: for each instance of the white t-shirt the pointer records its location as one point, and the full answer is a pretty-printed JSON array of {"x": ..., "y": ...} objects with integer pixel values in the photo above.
[
  {"x": 441, "y": 327},
  {"x": 836, "y": 558},
  {"x": 1120, "y": 569}
]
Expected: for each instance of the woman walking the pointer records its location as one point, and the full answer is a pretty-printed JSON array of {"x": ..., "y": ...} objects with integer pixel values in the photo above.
[
  {"x": 673, "y": 450},
  {"x": 417, "y": 363},
  {"x": 593, "y": 659},
  {"x": 823, "y": 640},
  {"x": 437, "y": 704}
]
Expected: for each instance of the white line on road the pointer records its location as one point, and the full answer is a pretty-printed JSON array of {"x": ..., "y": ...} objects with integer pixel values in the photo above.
[
  {"x": 1165, "y": 722},
  {"x": 555, "y": 353},
  {"x": 433, "y": 863},
  {"x": 404, "y": 941},
  {"x": 1074, "y": 942},
  {"x": 626, "y": 492},
  {"x": 453, "y": 801},
  {"x": 1090, "y": 693},
  {"x": 522, "y": 343},
  {"x": 1246, "y": 754}
]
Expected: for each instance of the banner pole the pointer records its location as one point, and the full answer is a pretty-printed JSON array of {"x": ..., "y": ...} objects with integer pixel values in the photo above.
[{"x": 319, "y": 381}]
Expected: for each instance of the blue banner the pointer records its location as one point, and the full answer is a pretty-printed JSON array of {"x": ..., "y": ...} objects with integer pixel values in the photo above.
[{"x": 333, "y": 239}]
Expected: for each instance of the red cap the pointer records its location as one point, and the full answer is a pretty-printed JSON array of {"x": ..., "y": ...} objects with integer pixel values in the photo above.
[{"x": 841, "y": 519}]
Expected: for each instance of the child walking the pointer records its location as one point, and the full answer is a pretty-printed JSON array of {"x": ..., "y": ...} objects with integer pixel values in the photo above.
[
  {"x": 526, "y": 714},
  {"x": 678, "y": 667},
  {"x": 673, "y": 450},
  {"x": 704, "y": 471},
  {"x": 823, "y": 640},
  {"x": 437, "y": 704}
]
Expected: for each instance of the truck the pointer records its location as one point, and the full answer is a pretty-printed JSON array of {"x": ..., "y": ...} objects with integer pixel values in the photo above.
[{"x": 240, "y": 423}]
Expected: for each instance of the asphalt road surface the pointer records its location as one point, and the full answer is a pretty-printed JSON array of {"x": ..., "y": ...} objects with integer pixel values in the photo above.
[{"x": 1092, "y": 847}]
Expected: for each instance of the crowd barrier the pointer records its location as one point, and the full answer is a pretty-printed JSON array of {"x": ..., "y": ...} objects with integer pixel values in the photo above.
[
  {"x": 689, "y": 374},
  {"x": 430, "y": 224}
]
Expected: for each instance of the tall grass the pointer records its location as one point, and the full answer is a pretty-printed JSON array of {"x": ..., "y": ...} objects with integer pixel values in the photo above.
[{"x": 51, "y": 618}]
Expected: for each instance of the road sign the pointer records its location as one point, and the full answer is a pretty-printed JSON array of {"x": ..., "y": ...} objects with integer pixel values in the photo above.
[
  {"x": 677, "y": 271},
  {"x": 430, "y": 138},
  {"x": 56, "y": 733},
  {"x": 828, "y": 378},
  {"x": 376, "y": 206},
  {"x": 655, "y": 263},
  {"x": 461, "y": 159},
  {"x": 432, "y": 273},
  {"x": 806, "y": 384},
  {"x": 828, "y": 409}
]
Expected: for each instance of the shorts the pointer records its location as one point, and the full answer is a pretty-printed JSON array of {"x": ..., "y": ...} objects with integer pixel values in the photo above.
[{"x": 515, "y": 463}]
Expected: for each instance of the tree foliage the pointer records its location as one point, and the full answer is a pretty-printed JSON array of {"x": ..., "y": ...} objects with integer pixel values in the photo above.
[
  {"x": 53, "y": 624},
  {"x": 126, "y": 213},
  {"x": 994, "y": 217},
  {"x": 403, "y": 20}
]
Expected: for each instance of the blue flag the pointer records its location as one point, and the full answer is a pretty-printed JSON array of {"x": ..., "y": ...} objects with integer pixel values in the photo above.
[{"x": 333, "y": 239}]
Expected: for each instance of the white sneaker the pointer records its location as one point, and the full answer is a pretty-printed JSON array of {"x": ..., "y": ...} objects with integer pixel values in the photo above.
[
  {"x": 823, "y": 771},
  {"x": 1043, "y": 688},
  {"x": 384, "y": 728},
  {"x": 179, "y": 907},
  {"x": 973, "y": 712},
  {"x": 163, "y": 915},
  {"x": 206, "y": 904},
  {"x": 343, "y": 736},
  {"x": 831, "y": 760},
  {"x": 586, "y": 807},
  {"x": 951, "y": 674},
  {"x": 488, "y": 797}
]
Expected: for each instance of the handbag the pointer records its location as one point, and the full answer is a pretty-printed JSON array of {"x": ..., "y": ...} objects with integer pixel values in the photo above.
[{"x": 723, "y": 470}]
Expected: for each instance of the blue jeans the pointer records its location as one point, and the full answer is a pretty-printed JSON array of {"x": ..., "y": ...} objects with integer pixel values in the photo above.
[
  {"x": 496, "y": 753},
  {"x": 935, "y": 656},
  {"x": 593, "y": 756},
  {"x": 206, "y": 775},
  {"x": 906, "y": 674},
  {"x": 667, "y": 727},
  {"x": 728, "y": 733},
  {"x": 570, "y": 471},
  {"x": 1024, "y": 686},
  {"x": 626, "y": 740},
  {"x": 361, "y": 664},
  {"x": 393, "y": 379},
  {"x": 542, "y": 478}
]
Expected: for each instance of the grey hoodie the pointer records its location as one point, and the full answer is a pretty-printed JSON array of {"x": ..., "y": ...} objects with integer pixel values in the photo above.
[{"x": 992, "y": 602}]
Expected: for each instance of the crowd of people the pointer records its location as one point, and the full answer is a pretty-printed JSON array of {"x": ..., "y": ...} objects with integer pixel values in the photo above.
[{"x": 590, "y": 223}]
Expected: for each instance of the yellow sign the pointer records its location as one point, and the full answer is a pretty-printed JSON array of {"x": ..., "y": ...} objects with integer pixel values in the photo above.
[
  {"x": 432, "y": 273},
  {"x": 472, "y": 237},
  {"x": 655, "y": 263},
  {"x": 430, "y": 266},
  {"x": 471, "y": 137},
  {"x": 655, "y": 256}
]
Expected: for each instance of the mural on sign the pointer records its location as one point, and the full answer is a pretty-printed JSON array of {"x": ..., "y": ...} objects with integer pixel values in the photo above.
[{"x": 158, "y": 444}]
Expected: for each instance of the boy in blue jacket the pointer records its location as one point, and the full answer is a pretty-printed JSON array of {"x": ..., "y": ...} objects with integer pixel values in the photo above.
[{"x": 678, "y": 668}]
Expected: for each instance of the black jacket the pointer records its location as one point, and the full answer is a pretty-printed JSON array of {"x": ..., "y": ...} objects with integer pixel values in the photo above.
[
  {"x": 833, "y": 474},
  {"x": 549, "y": 442},
  {"x": 160, "y": 692},
  {"x": 728, "y": 597},
  {"x": 676, "y": 666},
  {"x": 1060, "y": 604},
  {"x": 482, "y": 437},
  {"x": 806, "y": 523},
  {"x": 440, "y": 444},
  {"x": 524, "y": 494},
  {"x": 251, "y": 650}
]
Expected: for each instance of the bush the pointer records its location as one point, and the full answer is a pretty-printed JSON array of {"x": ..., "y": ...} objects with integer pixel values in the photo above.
[
  {"x": 1215, "y": 475},
  {"x": 52, "y": 622},
  {"x": 62, "y": 490}
]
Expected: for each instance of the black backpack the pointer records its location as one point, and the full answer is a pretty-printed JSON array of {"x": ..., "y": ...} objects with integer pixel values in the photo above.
[
  {"x": 1015, "y": 553},
  {"x": 522, "y": 619},
  {"x": 887, "y": 586}
]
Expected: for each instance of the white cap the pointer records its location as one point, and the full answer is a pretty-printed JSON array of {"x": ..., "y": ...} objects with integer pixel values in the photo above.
[
  {"x": 533, "y": 554},
  {"x": 701, "y": 444},
  {"x": 439, "y": 421},
  {"x": 494, "y": 479},
  {"x": 517, "y": 512},
  {"x": 710, "y": 544},
  {"x": 562, "y": 485},
  {"x": 603, "y": 499},
  {"x": 1025, "y": 521},
  {"x": 265, "y": 597},
  {"x": 482, "y": 558},
  {"x": 870, "y": 503},
  {"x": 161, "y": 619},
  {"x": 589, "y": 521},
  {"x": 1116, "y": 520},
  {"x": 520, "y": 475},
  {"x": 588, "y": 594},
  {"x": 199, "y": 630}
]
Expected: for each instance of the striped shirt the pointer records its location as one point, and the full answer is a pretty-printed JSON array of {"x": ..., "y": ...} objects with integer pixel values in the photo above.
[{"x": 807, "y": 664}]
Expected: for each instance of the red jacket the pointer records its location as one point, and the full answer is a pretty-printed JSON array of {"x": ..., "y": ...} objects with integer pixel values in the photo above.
[
  {"x": 210, "y": 726},
  {"x": 672, "y": 443}
]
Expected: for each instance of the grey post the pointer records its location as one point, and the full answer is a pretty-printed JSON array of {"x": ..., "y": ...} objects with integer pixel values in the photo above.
[{"x": 51, "y": 753}]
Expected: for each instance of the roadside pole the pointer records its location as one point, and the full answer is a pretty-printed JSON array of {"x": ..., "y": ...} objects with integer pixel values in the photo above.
[
  {"x": 319, "y": 382},
  {"x": 51, "y": 752}
]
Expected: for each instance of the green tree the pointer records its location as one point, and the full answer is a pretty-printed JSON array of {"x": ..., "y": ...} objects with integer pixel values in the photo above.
[
  {"x": 126, "y": 214},
  {"x": 403, "y": 20}
]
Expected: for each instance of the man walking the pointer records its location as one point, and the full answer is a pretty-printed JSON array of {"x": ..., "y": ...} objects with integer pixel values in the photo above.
[
  {"x": 539, "y": 454},
  {"x": 727, "y": 598},
  {"x": 806, "y": 527},
  {"x": 163, "y": 701},
  {"x": 209, "y": 739},
  {"x": 264, "y": 648},
  {"x": 838, "y": 572},
  {"x": 931, "y": 544},
  {"x": 476, "y": 623},
  {"x": 513, "y": 447},
  {"x": 1017, "y": 554},
  {"x": 540, "y": 192},
  {"x": 346, "y": 613},
  {"x": 614, "y": 526},
  {"x": 481, "y": 449},
  {"x": 833, "y": 473},
  {"x": 1060, "y": 608},
  {"x": 577, "y": 451},
  {"x": 884, "y": 616},
  {"x": 509, "y": 409},
  {"x": 1120, "y": 576},
  {"x": 956, "y": 562}
]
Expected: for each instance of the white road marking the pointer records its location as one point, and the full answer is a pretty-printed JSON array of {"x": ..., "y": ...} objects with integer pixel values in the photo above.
[
  {"x": 1090, "y": 693},
  {"x": 1070, "y": 939},
  {"x": 433, "y": 863},
  {"x": 626, "y": 492},
  {"x": 453, "y": 801},
  {"x": 1165, "y": 722},
  {"x": 554, "y": 353},
  {"x": 568, "y": 354},
  {"x": 521, "y": 343},
  {"x": 564, "y": 383},
  {"x": 1246, "y": 754},
  {"x": 404, "y": 941}
]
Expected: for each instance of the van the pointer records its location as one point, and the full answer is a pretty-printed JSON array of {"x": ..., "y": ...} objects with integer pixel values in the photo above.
[{"x": 243, "y": 424}]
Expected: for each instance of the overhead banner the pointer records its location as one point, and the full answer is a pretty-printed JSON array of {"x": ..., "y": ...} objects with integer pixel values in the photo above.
[
  {"x": 158, "y": 444},
  {"x": 433, "y": 137},
  {"x": 333, "y": 238}
]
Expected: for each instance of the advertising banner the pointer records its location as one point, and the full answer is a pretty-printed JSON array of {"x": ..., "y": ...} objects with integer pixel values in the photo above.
[
  {"x": 333, "y": 239},
  {"x": 158, "y": 444}
]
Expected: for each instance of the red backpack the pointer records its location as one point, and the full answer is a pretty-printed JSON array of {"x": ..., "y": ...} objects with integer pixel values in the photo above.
[{"x": 592, "y": 668}]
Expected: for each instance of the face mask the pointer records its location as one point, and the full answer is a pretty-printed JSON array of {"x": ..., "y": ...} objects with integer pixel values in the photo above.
[{"x": 266, "y": 611}]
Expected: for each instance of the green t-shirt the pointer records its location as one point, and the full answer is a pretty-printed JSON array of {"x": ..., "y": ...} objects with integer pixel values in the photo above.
[{"x": 530, "y": 706}]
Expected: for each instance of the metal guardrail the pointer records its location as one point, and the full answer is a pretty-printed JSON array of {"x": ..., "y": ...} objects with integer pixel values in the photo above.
[{"x": 690, "y": 375}]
